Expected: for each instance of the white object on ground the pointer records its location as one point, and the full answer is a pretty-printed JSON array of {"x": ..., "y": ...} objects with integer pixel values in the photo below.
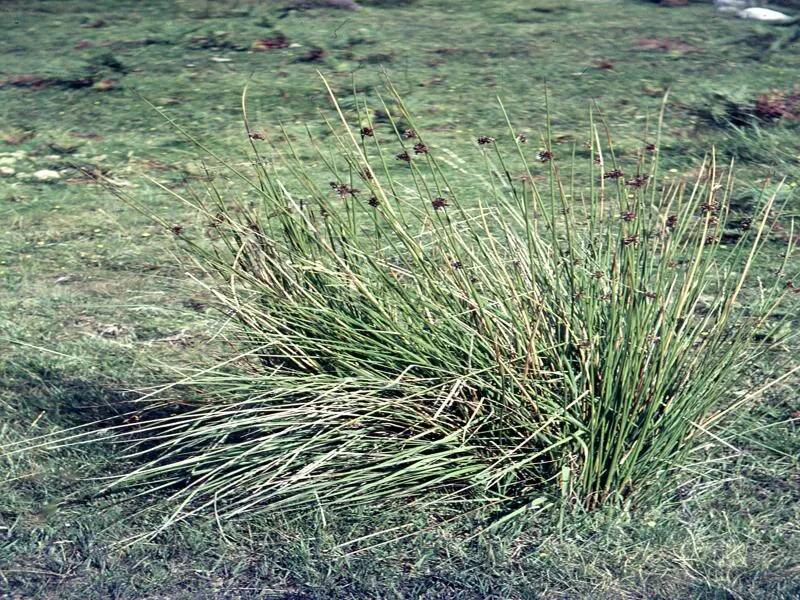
[
  {"x": 764, "y": 14},
  {"x": 6, "y": 171},
  {"x": 46, "y": 175}
]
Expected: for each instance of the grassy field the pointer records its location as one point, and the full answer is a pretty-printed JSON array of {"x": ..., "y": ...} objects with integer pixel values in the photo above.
[{"x": 93, "y": 303}]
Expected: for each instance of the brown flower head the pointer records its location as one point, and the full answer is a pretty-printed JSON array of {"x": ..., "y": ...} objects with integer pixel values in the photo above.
[
  {"x": 438, "y": 203},
  {"x": 343, "y": 189},
  {"x": 613, "y": 174},
  {"x": 373, "y": 201},
  {"x": 404, "y": 156},
  {"x": 638, "y": 181},
  {"x": 631, "y": 240},
  {"x": 420, "y": 148},
  {"x": 628, "y": 216},
  {"x": 672, "y": 220},
  {"x": 484, "y": 140},
  {"x": 217, "y": 220},
  {"x": 544, "y": 155},
  {"x": 367, "y": 132},
  {"x": 409, "y": 134}
]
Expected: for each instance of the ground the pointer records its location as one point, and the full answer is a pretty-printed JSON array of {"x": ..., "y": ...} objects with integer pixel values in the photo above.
[{"x": 93, "y": 303}]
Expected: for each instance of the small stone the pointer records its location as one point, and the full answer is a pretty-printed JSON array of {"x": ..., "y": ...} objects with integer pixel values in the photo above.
[
  {"x": 6, "y": 171},
  {"x": 105, "y": 85},
  {"x": 46, "y": 175}
]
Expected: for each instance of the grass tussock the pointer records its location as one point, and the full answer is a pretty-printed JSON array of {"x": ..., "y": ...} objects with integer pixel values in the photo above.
[{"x": 406, "y": 328}]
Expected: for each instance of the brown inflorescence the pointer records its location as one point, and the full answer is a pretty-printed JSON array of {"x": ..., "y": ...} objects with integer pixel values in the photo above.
[
  {"x": 343, "y": 189},
  {"x": 638, "y": 181},
  {"x": 438, "y": 203},
  {"x": 631, "y": 240}
]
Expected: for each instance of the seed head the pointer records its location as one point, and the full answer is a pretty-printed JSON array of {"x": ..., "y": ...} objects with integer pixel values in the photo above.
[
  {"x": 420, "y": 148},
  {"x": 176, "y": 229},
  {"x": 672, "y": 220},
  {"x": 628, "y": 216},
  {"x": 255, "y": 135},
  {"x": 343, "y": 189},
  {"x": 367, "y": 132},
  {"x": 373, "y": 201},
  {"x": 522, "y": 138},
  {"x": 544, "y": 155},
  {"x": 631, "y": 240},
  {"x": 456, "y": 264},
  {"x": 485, "y": 139},
  {"x": 613, "y": 174},
  {"x": 409, "y": 134},
  {"x": 404, "y": 156},
  {"x": 638, "y": 181},
  {"x": 438, "y": 203}
]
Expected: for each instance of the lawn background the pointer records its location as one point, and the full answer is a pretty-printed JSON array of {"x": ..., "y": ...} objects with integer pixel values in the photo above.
[{"x": 92, "y": 302}]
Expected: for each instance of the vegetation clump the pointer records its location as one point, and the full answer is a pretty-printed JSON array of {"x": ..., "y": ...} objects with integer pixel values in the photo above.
[{"x": 413, "y": 330}]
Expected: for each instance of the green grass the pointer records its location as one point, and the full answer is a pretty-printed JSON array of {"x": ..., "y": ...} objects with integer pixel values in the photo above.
[{"x": 92, "y": 280}]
